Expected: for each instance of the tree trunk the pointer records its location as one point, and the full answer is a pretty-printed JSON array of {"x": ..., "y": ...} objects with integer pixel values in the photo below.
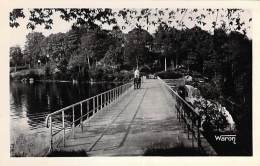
[
  {"x": 165, "y": 64},
  {"x": 137, "y": 62},
  {"x": 88, "y": 61},
  {"x": 172, "y": 64},
  {"x": 176, "y": 61}
]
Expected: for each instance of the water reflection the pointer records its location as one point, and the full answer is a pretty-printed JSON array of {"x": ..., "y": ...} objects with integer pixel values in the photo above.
[{"x": 30, "y": 103}]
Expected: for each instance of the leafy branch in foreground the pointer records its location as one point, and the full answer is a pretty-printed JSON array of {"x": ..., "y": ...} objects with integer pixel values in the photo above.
[{"x": 146, "y": 18}]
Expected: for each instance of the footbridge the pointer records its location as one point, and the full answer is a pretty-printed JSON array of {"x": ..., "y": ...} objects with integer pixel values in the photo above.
[{"x": 151, "y": 121}]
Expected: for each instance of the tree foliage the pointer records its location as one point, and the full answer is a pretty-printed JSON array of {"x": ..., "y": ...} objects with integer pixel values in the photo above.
[
  {"x": 33, "y": 47},
  {"x": 136, "y": 46},
  {"x": 16, "y": 56},
  {"x": 136, "y": 18},
  {"x": 224, "y": 55}
]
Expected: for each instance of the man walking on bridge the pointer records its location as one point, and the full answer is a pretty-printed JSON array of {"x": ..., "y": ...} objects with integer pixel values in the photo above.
[{"x": 137, "y": 79}]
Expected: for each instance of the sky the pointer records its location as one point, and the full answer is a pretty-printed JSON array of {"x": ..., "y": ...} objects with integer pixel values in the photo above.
[{"x": 18, "y": 35}]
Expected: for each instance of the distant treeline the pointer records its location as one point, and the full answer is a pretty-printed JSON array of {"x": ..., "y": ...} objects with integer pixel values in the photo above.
[{"x": 85, "y": 53}]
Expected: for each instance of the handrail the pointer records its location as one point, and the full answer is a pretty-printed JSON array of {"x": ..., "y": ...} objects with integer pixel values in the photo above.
[
  {"x": 93, "y": 105},
  {"x": 178, "y": 96},
  {"x": 72, "y": 105},
  {"x": 190, "y": 117}
]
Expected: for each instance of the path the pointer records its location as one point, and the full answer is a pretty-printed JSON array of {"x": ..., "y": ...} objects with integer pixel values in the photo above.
[{"x": 143, "y": 122}]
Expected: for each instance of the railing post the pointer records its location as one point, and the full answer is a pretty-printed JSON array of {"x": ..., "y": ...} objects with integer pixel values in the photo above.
[
  {"x": 114, "y": 95},
  {"x": 105, "y": 98},
  {"x": 97, "y": 104},
  {"x": 73, "y": 122},
  {"x": 192, "y": 129},
  {"x": 179, "y": 111},
  {"x": 111, "y": 97},
  {"x": 51, "y": 141},
  {"x": 108, "y": 96},
  {"x": 87, "y": 109},
  {"x": 117, "y": 89},
  {"x": 63, "y": 126},
  {"x": 188, "y": 124},
  {"x": 199, "y": 141},
  {"x": 81, "y": 114},
  {"x": 93, "y": 109},
  {"x": 101, "y": 101}
]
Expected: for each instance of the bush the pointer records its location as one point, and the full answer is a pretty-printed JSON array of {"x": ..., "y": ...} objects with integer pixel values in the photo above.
[
  {"x": 214, "y": 116},
  {"x": 101, "y": 73},
  {"x": 61, "y": 76},
  {"x": 48, "y": 72},
  {"x": 169, "y": 74},
  {"x": 209, "y": 91},
  {"x": 97, "y": 74}
]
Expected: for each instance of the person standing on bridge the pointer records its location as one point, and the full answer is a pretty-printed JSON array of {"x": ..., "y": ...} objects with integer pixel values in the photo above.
[{"x": 136, "y": 78}]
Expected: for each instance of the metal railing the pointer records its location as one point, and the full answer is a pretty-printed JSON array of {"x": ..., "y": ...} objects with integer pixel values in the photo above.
[
  {"x": 186, "y": 113},
  {"x": 67, "y": 118}
]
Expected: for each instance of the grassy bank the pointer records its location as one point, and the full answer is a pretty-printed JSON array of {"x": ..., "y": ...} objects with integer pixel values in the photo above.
[
  {"x": 34, "y": 145},
  {"x": 92, "y": 75},
  {"x": 28, "y": 73}
]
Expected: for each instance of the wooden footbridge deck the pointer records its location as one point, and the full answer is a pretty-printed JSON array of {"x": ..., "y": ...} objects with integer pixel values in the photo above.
[{"x": 132, "y": 123}]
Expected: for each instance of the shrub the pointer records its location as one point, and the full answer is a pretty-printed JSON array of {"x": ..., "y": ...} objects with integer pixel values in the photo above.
[
  {"x": 97, "y": 74},
  {"x": 169, "y": 74},
  {"x": 209, "y": 91},
  {"x": 48, "y": 72},
  {"x": 61, "y": 76}
]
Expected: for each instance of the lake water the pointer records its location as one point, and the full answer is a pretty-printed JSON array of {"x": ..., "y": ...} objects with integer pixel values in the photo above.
[{"x": 30, "y": 104}]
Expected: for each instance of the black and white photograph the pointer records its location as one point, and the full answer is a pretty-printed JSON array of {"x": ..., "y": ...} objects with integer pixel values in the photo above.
[{"x": 140, "y": 81}]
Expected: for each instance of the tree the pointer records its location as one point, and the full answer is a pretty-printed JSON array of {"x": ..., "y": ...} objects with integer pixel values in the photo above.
[
  {"x": 136, "y": 45},
  {"x": 33, "y": 47},
  {"x": 113, "y": 56},
  {"x": 145, "y": 18},
  {"x": 201, "y": 46},
  {"x": 81, "y": 16},
  {"x": 162, "y": 41},
  {"x": 58, "y": 47},
  {"x": 16, "y": 56},
  {"x": 77, "y": 65},
  {"x": 94, "y": 44}
]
